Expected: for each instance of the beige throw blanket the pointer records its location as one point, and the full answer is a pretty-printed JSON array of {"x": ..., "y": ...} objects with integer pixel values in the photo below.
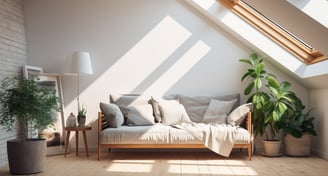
[{"x": 219, "y": 138}]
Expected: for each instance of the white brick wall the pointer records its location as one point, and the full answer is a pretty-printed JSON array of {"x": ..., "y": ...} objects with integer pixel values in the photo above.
[{"x": 13, "y": 53}]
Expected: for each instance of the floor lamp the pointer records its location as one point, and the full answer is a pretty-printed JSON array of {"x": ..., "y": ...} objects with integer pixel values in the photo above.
[{"x": 79, "y": 64}]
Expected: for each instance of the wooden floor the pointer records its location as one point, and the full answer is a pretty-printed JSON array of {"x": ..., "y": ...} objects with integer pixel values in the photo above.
[{"x": 179, "y": 163}]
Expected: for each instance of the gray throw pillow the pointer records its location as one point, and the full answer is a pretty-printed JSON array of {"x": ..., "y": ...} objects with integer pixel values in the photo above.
[
  {"x": 138, "y": 115},
  {"x": 157, "y": 113},
  {"x": 217, "y": 111},
  {"x": 237, "y": 116},
  {"x": 113, "y": 115},
  {"x": 196, "y": 105}
]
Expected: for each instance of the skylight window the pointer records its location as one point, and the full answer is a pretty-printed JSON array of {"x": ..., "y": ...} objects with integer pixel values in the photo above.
[
  {"x": 316, "y": 9},
  {"x": 276, "y": 32}
]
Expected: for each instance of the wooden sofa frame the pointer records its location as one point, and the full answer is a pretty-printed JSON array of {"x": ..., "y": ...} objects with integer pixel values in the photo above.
[{"x": 248, "y": 121}]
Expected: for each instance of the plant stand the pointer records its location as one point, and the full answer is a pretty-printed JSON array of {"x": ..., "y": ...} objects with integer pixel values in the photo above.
[{"x": 26, "y": 156}]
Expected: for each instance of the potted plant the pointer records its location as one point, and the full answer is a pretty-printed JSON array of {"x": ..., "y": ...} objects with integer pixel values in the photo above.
[
  {"x": 299, "y": 131},
  {"x": 81, "y": 116},
  {"x": 257, "y": 74},
  {"x": 271, "y": 102},
  {"x": 22, "y": 101},
  {"x": 278, "y": 108}
]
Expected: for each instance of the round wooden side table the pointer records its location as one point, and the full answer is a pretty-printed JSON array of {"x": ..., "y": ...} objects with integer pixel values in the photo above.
[{"x": 77, "y": 129}]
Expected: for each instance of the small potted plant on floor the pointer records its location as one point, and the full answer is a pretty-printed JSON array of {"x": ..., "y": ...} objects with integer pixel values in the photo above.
[
  {"x": 299, "y": 131},
  {"x": 22, "y": 101}
]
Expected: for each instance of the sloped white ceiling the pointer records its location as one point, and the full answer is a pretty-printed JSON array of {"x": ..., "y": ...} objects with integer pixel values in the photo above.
[{"x": 312, "y": 76}]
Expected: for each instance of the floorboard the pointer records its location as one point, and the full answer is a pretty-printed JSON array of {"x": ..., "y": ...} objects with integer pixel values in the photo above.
[{"x": 179, "y": 164}]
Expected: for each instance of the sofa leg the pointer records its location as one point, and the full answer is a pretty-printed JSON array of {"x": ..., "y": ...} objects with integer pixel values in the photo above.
[
  {"x": 99, "y": 153},
  {"x": 109, "y": 150},
  {"x": 249, "y": 151}
]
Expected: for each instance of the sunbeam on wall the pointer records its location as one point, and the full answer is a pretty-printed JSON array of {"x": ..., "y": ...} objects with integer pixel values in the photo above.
[
  {"x": 138, "y": 63},
  {"x": 148, "y": 54},
  {"x": 175, "y": 72}
]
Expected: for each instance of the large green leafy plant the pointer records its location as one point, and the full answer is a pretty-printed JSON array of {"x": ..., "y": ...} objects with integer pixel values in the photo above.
[
  {"x": 24, "y": 102},
  {"x": 272, "y": 100},
  {"x": 279, "y": 107},
  {"x": 301, "y": 122}
]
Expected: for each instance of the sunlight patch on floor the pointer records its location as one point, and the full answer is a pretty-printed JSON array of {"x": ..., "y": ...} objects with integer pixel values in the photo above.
[{"x": 131, "y": 166}]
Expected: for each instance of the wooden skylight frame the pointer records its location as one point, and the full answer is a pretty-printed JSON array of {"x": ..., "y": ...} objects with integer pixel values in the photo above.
[{"x": 301, "y": 50}]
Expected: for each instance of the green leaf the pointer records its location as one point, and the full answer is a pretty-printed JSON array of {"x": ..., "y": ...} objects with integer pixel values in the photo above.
[
  {"x": 275, "y": 116},
  {"x": 245, "y": 61},
  {"x": 282, "y": 107},
  {"x": 258, "y": 83},
  {"x": 253, "y": 58},
  {"x": 285, "y": 86},
  {"x": 259, "y": 68},
  {"x": 273, "y": 82},
  {"x": 273, "y": 90},
  {"x": 249, "y": 88},
  {"x": 247, "y": 74}
]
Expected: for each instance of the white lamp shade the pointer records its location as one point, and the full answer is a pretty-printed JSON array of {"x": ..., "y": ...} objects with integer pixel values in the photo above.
[{"x": 80, "y": 64}]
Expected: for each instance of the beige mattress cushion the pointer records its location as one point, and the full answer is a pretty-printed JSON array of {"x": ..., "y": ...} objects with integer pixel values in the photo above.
[
  {"x": 157, "y": 134},
  {"x": 154, "y": 134},
  {"x": 179, "y": 136}
]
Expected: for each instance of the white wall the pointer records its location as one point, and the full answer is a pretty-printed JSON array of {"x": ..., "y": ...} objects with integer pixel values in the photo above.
[
  {"x": 319, "y": 100},
  {"x": 145, "y": 46}
]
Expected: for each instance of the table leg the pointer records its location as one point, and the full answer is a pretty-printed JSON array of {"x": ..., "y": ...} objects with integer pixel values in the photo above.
[
  {"x": 77, "y": 143},
  {"x": 85, "y": 143},
  {"x": 67, "y": 142}
]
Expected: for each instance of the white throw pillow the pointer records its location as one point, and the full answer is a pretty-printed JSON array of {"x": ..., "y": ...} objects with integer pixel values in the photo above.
[
  {"x": 237, "y": 116},
  {"x": 217, "y": 111},
  {"x": 156, "y": 101},
  {"x": 173, "y": 113}
]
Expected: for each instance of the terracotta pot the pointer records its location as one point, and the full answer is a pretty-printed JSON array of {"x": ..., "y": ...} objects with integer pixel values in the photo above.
[
  {"x": 272, "y": 148},
  {"x": 298, "y": 146},
  {"x": 26, "y": 156}
]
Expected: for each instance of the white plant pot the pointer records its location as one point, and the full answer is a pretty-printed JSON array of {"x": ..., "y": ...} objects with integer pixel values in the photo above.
[
  {"x": 298, "y": 146},
  {"x": 272, "y": 148}
]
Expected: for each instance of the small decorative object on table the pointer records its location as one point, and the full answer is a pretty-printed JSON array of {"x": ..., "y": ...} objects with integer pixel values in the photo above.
[
  {"x": 81, "y": 116},
  {"x": 71, "y": 120}
]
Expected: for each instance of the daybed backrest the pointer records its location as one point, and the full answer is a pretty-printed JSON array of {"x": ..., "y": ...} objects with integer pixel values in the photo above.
[
  {"x": 129, "y": 99},
  {"x": 197, "y": 105}
]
